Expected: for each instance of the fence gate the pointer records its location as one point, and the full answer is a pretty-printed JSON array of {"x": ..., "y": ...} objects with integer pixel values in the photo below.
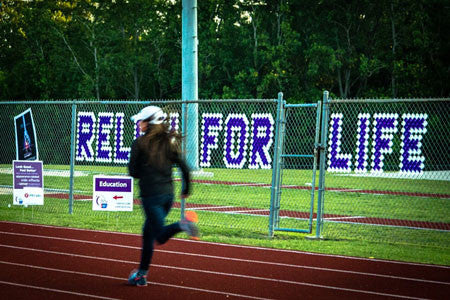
[{"x": 295, "y": 164}]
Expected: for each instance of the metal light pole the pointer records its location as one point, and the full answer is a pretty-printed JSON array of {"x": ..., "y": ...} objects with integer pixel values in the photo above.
[{"x": 190, "y": 81}]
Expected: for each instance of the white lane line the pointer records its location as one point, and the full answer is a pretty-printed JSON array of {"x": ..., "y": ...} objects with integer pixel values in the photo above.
[
  {"x": 240, "y": 246},
  {"x": 215, "y": 273},
  {"x": 246, "y": 211},
  {"x": 251, "y": 184},
  {"x": 344, "y": 218},
  {"x": 232, "y": 259},
  {"x": 123, "y": 280},
  {"x": 55, "y": 290},
  {"x": 207, "y": 207}
]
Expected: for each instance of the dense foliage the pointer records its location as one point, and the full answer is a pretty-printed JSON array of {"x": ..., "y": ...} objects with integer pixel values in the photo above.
[{"x": 247, "y": 49}]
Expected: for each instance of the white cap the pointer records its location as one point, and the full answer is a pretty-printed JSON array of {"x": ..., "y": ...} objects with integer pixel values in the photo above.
[{"x": 154, "y": 113}]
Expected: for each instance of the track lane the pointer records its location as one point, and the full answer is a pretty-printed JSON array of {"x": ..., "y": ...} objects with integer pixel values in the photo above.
[
  {"x": 11, "y": 290},
  {"x": 249, "y": 287},
  {"x": 285, "y": 268},
  {"x": 98, "y": 286},
  {"x": 243, "y": 270},
  {"x": 225, "y": 283},
  {"x": 382, "y": 267},
  {"x": 191, "y": 260}
]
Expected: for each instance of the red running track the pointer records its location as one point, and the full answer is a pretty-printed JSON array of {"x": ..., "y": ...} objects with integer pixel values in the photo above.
[{"x": 45, "y": 262}]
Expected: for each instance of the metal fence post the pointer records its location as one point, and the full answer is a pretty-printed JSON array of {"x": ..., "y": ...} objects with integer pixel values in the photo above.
[
  {"x": 184, "y": 146},
  {"x": 322, "y": 162},
  {"x": 316, "y": 161},
  {"x": 275, "y": 189},
  {"x": 72, "y": 155}
]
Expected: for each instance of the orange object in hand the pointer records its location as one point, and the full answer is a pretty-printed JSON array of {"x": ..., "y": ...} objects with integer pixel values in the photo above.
[{"x": 191, "y": 216}]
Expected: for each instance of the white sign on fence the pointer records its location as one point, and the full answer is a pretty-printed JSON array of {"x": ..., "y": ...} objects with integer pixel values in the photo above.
[
  {"x": 28, "y": 183},
  {"x": 112, "y": 193}
]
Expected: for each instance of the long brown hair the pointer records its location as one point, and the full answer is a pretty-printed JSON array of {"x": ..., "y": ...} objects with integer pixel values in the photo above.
[{"x": 160, "y": 144}]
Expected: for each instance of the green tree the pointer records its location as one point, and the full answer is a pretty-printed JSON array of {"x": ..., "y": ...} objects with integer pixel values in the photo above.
[{"x": 247, "y": 49}]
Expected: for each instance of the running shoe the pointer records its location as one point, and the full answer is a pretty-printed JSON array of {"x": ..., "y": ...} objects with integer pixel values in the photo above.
[
  {"x": 137, "y": 279},
  {"x": 188, "y": 225}
]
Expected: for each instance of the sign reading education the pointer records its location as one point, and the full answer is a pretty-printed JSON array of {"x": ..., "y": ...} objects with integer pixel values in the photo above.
[
  {"x": 112, "y": 193},
  {"x": 28, "y": 183}
]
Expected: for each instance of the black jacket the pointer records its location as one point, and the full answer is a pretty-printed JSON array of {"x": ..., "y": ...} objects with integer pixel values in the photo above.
[{"x": 153, "y": 180}]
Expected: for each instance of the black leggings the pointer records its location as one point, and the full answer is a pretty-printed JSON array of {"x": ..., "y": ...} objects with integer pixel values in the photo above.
[{"x": 156, "y": 209}]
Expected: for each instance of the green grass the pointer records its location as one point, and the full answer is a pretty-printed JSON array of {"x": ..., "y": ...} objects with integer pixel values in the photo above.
[
  {"x": 290, "y": 177},
  {"x": 384, "y": 242}
]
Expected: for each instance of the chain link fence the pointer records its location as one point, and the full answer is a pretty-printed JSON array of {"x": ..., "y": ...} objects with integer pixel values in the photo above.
[
  {"x": 231, "y": 175},
  {"x": 385, "y": 165},
  {"x": 388, "y": 171},
  {"x": 231, "y": 188},
  {"x": 294, "y": 206}
]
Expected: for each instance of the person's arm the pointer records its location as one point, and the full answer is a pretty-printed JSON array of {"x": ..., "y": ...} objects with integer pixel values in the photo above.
[
  {"x": 186, "y": 175},
  {"x": 133, "y": 168}
]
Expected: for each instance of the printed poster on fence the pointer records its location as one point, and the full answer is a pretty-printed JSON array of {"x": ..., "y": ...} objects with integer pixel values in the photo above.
[
  {"x": 26, "y": 141},
  {"x": 112, "y": 193},
  {"x": 28, "y": 183}
]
